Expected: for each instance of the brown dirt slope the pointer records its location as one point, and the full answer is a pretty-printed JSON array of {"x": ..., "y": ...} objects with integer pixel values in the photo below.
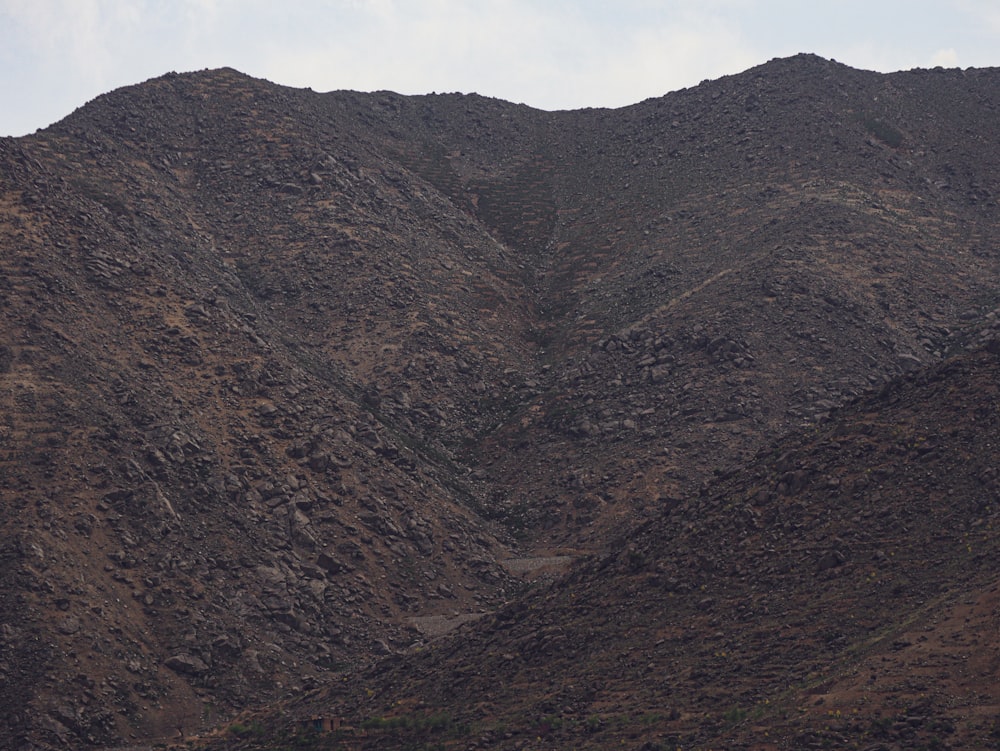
[
  {"x": 284, "y": 375},
  {"x": 839, "y": 591}
]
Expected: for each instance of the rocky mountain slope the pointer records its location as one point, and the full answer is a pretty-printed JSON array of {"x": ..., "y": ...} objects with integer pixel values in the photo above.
[
  {"x": 839, "y": 591},
  {"x": 294, "y": 381}
]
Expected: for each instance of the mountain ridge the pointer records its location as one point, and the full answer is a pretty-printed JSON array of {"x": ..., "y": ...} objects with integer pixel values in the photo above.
[{"x": 289, "y": 376}]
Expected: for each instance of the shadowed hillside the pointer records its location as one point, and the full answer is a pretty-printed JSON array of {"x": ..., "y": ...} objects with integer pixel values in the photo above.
[
  {"x": 838, "y": 591},
  {"x": 293, "y": 382}
]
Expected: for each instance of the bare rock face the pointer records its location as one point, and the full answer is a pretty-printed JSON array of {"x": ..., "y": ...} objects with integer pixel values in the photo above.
[
  {"x": 285, "y": 374},
  {"x": 184, "y": 663}
]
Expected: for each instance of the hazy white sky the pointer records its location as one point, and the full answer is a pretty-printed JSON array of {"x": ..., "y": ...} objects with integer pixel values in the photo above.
[{"x": 55, "y": 55}]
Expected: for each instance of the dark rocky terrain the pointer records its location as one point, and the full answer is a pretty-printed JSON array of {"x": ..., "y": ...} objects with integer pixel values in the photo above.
[
  {"x": 839, "y": 591},
  {"x": 293, "y": 383}
]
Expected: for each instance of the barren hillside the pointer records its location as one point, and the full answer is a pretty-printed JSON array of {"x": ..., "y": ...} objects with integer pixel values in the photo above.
[{"x": 293, "y": 382}]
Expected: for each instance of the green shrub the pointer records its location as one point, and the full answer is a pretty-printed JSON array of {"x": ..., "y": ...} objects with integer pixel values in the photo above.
[
  {"x": 884, "y": 132},
  {"x": 244, "y": 731}
]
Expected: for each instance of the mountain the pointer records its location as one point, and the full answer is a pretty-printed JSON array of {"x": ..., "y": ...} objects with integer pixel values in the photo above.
[
  {"x": 293, "y": 382},
  {"x": 839, "y": 591}
]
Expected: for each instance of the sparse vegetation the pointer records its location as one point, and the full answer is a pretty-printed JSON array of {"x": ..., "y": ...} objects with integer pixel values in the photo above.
[
  {"x": 883, "y": 131},
  {"x": 292, "y": 383},
  {"x": 241, "y": 730},
  {"x": 735, "y": 716}
]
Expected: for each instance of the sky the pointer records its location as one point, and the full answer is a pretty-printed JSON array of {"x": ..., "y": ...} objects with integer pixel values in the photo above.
[{"x": 55, "y": 55}]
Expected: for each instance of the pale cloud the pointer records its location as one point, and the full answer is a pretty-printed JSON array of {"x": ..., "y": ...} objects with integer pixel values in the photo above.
[
  {"x": 200, "y": 18},
  {"x": 946, "y": 58},
  {"x": 415, "y": 48},
  {"x": 670, "y": 57},
  {"x": 985, "y": 14},
  {"x": 78, "y": 36},
  {"x": 553, "y": 54},
  {"x": 548, "y": 55}
]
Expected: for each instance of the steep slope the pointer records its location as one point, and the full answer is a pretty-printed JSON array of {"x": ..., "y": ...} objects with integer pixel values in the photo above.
[
  {"x": 801, "y": 213},
  {"x": 201, "y": 505},
  {"x": 840, "y": 591},
  {"x": 285, "y": 374}
]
